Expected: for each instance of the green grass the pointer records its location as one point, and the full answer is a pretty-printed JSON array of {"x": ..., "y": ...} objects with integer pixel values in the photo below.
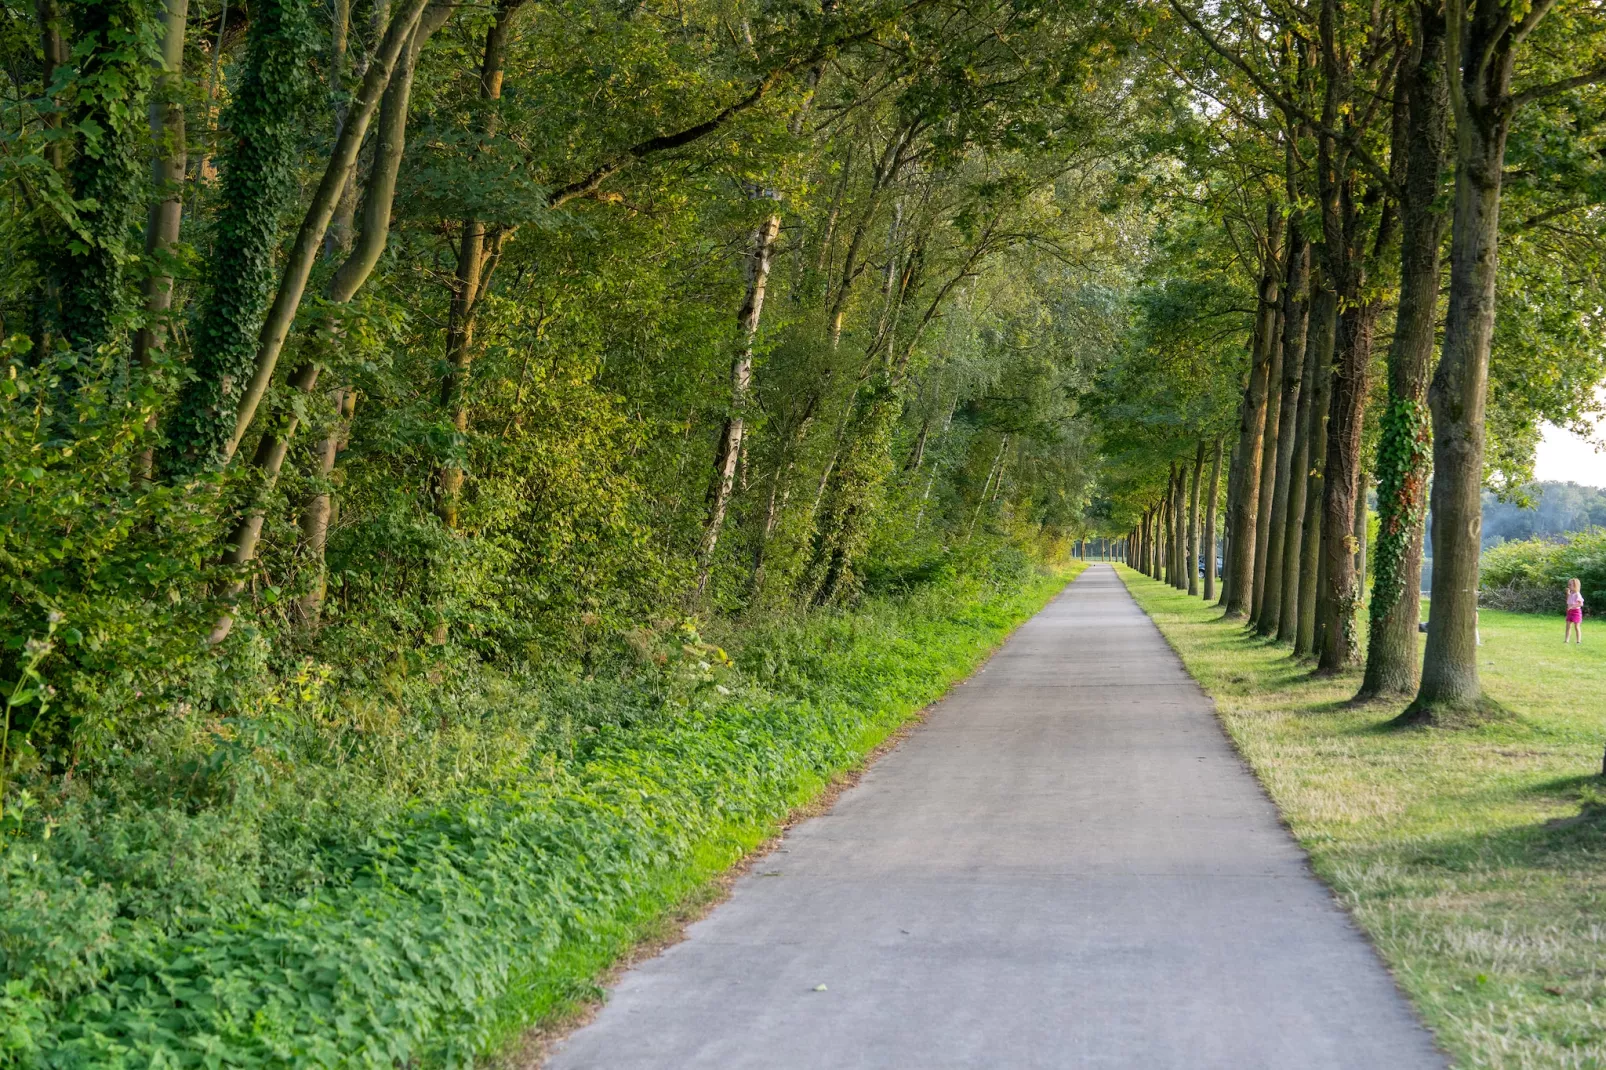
[
  {"x": 1475, "y": 858},
  {"x": 379, "y": 930}
]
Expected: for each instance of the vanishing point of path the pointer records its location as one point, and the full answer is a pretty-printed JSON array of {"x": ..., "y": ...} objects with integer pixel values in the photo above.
[{"x": 1066, "y": 866}]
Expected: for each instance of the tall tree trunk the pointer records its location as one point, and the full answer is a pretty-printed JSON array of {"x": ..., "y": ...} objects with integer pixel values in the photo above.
[
  {"x": 1245, "y": 496},
  {"x": 1268, "y": 457},
  {"x": 760, "y": 248},
  {"x": 1193, "y": 521},
  {"x": 105, "y": 179},
  {"x": 1298, "y": 484},
  {"x": 1173, "y": 572},
  {"x": 1490, "y": 34},
  {"x": 1296, "y": 320},
  {"x": 1353, "y": 351},
  {"x": 1324, "y": 316},
  {"x": 236, "y": 343},
  {"x": 53, "y": 46},
  {"x": 1404, "y": 454},
  {"x": 315, "y": 224},
  {"x": 1210, "y": 525},
  {"x": 475, "y": 250},
  {"x": 1156, "y": 539},
  {"x": 1174, "y": 532},
  {"x": 1362, "y": 485},
  {"x": 274, "y": 445},
  {"x": 1184, "y": 480},
  {"x": 1344, "y": 240},
  {"x": 1226, "y": 528},
  {"x": 168, "y": 167}
]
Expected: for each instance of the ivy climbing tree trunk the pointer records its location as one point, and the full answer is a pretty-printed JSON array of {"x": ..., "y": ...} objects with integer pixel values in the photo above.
[
  {"x": 1404, "y": 453},
  {"x": 265, "y": 122},
  {"x": 168, "y": 167},
  {"x": 104, "y": 174},
  {"x": 274, "y": 444}
]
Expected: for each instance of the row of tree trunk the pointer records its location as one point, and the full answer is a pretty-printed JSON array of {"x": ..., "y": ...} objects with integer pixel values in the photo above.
[{"x": 1175, "y": 539}]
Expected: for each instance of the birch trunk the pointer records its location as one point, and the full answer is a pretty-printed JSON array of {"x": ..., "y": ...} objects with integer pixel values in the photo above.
[{"x": 761, "y": 248}]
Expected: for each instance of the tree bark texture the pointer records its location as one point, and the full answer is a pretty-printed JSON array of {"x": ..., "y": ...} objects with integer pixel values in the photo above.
[
  {"x": 1353, "y": 356},
  {"x": 1268, "y": 463},
  {"x": 1226, "y": 527},
  {"x": 1324, "y": 314},
  {"x": 1298, "y": 485},
  {"x": 1457, "y": 395},
  {"x": 1245, "y": 497},
  {"x": 1405, "y": 450},
  {"x": 1210, "y": 525},
  {"x": 166, "y": 118},
  {"x": 1179, "y": 530},
  {"x": 273, "y": 446},
  {"x": 169, "y": 164},
  {"x": 1296, "y": 320},
  {"x": 1193, "y": 520},
  {"x": 761, "y": 247}
]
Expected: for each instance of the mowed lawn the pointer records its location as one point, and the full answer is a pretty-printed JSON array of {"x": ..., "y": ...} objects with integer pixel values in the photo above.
[{"x": 1476, "y": 858}]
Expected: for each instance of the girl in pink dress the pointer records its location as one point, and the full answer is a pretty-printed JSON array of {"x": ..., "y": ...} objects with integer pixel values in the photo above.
[{"x": 1575, "y": 614}]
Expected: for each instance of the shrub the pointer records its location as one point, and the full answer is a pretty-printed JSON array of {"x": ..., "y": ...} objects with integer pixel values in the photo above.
[{"x": 1531, "y": 576}]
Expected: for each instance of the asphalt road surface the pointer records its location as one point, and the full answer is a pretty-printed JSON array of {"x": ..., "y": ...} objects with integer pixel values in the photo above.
[{"x": 1066, "y": 866}]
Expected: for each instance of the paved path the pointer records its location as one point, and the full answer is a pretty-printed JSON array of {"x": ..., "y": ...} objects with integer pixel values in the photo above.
[{"x": 1067, "y": 866}]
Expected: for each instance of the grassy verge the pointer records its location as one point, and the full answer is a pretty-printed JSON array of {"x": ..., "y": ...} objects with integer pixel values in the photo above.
[
  {"x": 363, "y": 930},
  {"x": 1476, "y": 859}
]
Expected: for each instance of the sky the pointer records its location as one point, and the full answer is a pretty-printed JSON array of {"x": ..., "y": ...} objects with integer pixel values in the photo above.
[{"x": 1568, "y": 458}]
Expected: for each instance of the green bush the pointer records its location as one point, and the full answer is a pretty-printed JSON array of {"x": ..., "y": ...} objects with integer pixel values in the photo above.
[
  {"x": 1531, "y": 575},
  {"x": 340, "y": 881}
]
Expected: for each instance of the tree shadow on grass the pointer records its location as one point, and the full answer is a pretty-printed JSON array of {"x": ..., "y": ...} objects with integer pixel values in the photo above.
[{"x": 1573, "y": 841}]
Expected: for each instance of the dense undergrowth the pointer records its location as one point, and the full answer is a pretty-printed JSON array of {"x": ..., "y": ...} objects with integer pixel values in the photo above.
[{"x": 372, "y": 880}]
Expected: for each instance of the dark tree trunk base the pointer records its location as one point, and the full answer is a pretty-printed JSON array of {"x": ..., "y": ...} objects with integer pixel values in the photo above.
[{"x": 1444, "y": 715}]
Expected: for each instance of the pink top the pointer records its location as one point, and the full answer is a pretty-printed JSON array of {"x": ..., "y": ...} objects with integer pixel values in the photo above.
[{"x": 1575, "y": 600}]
